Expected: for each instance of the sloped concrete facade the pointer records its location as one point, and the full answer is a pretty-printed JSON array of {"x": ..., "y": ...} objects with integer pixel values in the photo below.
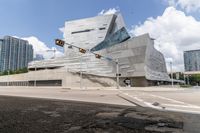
[
  {"x": 106, "y": 35},
  {"x": 138, "y": 60}
]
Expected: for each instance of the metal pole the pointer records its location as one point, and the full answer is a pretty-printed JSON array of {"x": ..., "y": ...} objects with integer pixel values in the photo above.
[
  {"x": 35, "y": 78},
  {"x": 184, "y": 78},
  {"x": 54, "y": 54},
  {"x": 81, "y": 72},
  {"x": 188, "y": 79},
  {"x": 117, "y": 73},
  {"x": 86, "y": 63},
  {"x": 172, "y": 74},
  {"x": 8, "y": 78}
]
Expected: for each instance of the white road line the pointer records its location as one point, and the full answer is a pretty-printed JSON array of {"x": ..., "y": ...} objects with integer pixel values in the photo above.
[
  {"x": 180, "y": 102},
  {"x": 165, "y": 98},
  {"x": 183, "y": 106},
  {"x": 140, "y": 100},
  {"x": 170, "y": 108},
  {"x": 136, "y": 98},
  {"x": 184, "y": 111}
]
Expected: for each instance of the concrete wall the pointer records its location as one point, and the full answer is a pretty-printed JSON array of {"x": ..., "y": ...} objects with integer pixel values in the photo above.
[
  {"x": 88, "y": 32},
  {"x": 155, "y": 66},
  {"x": 137, "y": 58},
  {"x": 69, "y": 79}
]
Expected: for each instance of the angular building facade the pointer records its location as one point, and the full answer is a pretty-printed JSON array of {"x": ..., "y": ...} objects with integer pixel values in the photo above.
[
  {"x": 14, "y": 53},
  {"x": 192, "y": 60},
  {"x": 106, "y": 35}
]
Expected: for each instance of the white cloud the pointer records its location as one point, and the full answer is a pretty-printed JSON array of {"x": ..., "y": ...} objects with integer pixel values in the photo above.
[
  {"x": 188, "y": 5},
  {"x": 62, "y": 29},
  {"x": 174, "y": 33},
  {"x": 109, "y": 11},
  {"x": 41, "y": 48}
]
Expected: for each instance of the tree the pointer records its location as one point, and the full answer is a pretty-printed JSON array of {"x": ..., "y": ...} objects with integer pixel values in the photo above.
[
  {"x": 194, "y": 79},
  {"x": 18, "y": 71}
]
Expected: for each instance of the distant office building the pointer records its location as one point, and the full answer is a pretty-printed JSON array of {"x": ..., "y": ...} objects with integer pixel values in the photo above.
[
  {"x": 14, "y": 53},
  {"x": 192, "y": 60}
]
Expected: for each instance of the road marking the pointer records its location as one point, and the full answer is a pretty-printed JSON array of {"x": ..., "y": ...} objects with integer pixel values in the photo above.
[
  {"x": 188, "y": 105},
  {"x": 183, "y": 106},
  {"x": 170, "y": 108},
  {"x": 165, "y": 98},
  {"x": 138, "y": 99}
]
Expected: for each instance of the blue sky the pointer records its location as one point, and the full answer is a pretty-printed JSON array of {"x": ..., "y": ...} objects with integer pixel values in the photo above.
[
  {"x": 175, "y": 24},
  {"x": 43, "y": 18}
]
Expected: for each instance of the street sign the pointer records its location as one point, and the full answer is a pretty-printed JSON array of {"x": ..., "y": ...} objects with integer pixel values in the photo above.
[{"x": 127, "y": 81}]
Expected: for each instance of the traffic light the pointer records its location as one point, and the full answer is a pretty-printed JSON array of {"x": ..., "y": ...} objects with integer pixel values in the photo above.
[
  {"x": 119, "y": 74},
  {"x": 98, "y": 56},
  {"x": 59, "y": 42},
  {"x": 82, "y": 50}
]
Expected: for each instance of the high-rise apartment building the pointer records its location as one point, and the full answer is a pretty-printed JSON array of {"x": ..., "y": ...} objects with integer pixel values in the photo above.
[
  {"x": 15, "y": 53},
  {"x": 192, "y": 60}
]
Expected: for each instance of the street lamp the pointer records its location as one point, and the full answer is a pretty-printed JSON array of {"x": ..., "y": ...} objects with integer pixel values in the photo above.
[
  {"x": 54, "y": 52},
  {"x": 172, "y": 80},
  {"x": 81, "y": 74},
  {"x": 188, "y": 79},
  {"x": 8, "y": 72},
  {"x": 117, "y": 73},
  {"x": 35, "y": 78}
]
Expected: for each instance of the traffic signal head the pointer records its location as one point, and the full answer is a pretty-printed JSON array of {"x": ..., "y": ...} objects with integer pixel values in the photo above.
[
  {"x": 119, "y": 74},
  {"x": 98, "y": 56},
  {"x": 59, "y": 42},
  {"x": 82, "y": 50}
]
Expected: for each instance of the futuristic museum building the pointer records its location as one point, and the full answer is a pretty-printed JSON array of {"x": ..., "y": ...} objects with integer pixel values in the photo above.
[{"x": 106, "y": 35}]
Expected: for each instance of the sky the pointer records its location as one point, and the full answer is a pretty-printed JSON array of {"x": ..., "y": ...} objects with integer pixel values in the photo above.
[{"x": 175, "y": 24}]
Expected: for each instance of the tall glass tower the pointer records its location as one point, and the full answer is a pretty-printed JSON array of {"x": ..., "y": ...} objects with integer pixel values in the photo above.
[
  {"x": 192, "y": 60},
  {"x": 14, "y": 53}
]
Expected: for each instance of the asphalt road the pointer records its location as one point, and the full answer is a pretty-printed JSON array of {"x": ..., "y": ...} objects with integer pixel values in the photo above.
[
  {"x": 167, "y": 100},
  {"x": 187, "y": 100},
  {"x": 34, "y": 115},
  {"x": 173, "y": 99},
  {"x": 93, "y": 95}
]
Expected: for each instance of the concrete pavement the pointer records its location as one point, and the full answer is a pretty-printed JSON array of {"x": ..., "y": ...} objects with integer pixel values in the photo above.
[
  {"x": 179, "y": 100},
  {"x": 92, "y": 95},
  {"x": 162, "y": 98}
]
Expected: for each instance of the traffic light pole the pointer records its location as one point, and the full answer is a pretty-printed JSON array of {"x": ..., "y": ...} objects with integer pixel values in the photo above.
[
  {"x": 172, "y": 80},
  {"x": 81, "y": 75},
  {"x": 117, "y": 73},
  {"x": 35, "y": 78},
  {"x": 61, "y": 43}
]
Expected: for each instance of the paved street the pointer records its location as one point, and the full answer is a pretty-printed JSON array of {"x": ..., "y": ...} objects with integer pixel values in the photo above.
[
  {"x": 35, "y": 115},
  {"x": 180, "y": 100},
  {"x": 97, "y": 96},
  {"x": 164, "y": 99},
  {"x": 174, "y": 99}
]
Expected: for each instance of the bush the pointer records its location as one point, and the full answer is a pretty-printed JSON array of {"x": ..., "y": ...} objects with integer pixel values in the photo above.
[{"x": 185, "y": 86}]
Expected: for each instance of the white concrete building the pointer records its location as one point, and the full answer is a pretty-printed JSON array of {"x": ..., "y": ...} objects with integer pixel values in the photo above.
[{"x": 106, "y": 35}]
